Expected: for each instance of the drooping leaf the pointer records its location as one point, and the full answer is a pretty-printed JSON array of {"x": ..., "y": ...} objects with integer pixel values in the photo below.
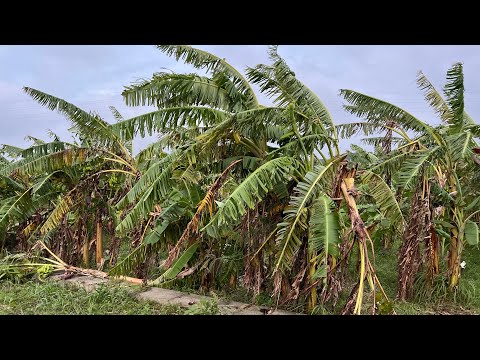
[
  {"x": 454, "y": 92},
  {"x": 173, "y": 271},
  {"x": 385, "y": 198},
  {"x": 156, "y": 233},
  {"x": 471, "y": 233},
  {"x": 295, "y": 215},
  {"x": 251, "y": 190},
  {"x": 377, "y": 111},
  {"x": 324, "y": 228},
  {"x": 411, "y": 167},
  {"x": 434, "y": 98},
  {"x": 203, "y": 60}
]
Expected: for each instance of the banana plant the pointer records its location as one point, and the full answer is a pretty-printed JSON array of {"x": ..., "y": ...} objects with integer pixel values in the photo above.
[
  {"x": 290, "y": 158},
  {"x": 441, "y": 155},
  {"x": 66, "y": 188}
]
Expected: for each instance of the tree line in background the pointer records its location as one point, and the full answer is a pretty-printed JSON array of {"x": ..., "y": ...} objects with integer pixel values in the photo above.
[{"x": 237, "y": 194}]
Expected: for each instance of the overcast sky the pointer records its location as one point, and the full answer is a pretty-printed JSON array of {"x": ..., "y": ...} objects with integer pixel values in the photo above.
[{"x": 93, "y": 77}]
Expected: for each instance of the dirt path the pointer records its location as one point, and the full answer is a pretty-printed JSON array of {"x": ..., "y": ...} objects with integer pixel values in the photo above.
[{"x": 165, "y": 296}]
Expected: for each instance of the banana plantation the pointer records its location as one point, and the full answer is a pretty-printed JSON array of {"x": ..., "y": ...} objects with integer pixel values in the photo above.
[{"x": 235, "y": 195}]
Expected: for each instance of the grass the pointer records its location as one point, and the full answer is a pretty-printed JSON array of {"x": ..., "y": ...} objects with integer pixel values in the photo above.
[
  {"x": 34, "y": 297},
  {"x": 386, "y": 270},
  {"x": 471, "y": 273},
  {"x": 46, "y": 298},
  {"x": 386, "y": 265}
]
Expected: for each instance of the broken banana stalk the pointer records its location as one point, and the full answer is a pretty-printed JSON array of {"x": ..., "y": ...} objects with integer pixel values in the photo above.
[
  {"x": 367, "y": 271},
  {"x": 61, "y": 265}
]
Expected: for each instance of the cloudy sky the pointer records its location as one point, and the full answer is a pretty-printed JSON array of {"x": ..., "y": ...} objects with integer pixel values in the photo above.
[{"x": 93, "y": 77}]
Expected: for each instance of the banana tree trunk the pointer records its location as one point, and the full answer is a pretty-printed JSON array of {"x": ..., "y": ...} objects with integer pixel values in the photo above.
[
  {"x": 86, "y": 259},
  {"x": 366, "y": 269},
  {"x": 409, "y": 259},
  {"x": 432, "y": 249},
  {"x": 456, "y": 240},
  {"x": 99, "y": 243},
  {"x": 312, "y": 301},
  {"x": 454, "y": 258}
]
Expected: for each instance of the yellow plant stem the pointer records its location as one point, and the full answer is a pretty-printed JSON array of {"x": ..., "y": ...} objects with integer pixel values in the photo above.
[
  {"x": 264, "y": 243},
  {"x": 86, "y": 259},
  {"x": 358, "y": 304},
  {"x": 455, "y": 242},
  {"x": 121, "y": 160},
  {"x": 454, "y": 266},
  {"x": 366, "y": 268},
  {"x": 99, "y": 243}
]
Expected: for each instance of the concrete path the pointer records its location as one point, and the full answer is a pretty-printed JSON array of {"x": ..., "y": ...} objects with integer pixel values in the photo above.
[{"x": 165, "y": 296}]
